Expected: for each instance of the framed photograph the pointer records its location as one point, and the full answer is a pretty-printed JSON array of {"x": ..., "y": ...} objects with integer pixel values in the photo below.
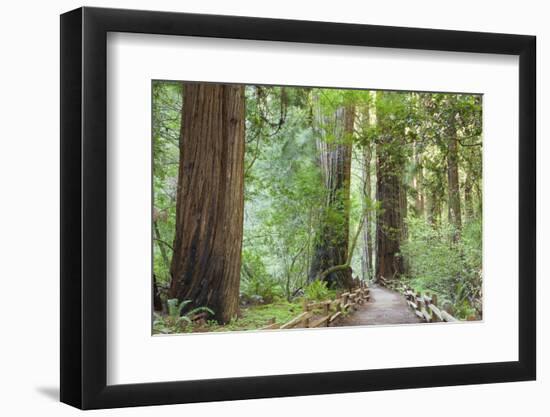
[{"x": 257, "y": 208}]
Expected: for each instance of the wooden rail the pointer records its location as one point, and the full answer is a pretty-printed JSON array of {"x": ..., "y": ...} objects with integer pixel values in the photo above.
[
  {"x": 324, "y": 313},
  {"x": 424, "y": 305}
]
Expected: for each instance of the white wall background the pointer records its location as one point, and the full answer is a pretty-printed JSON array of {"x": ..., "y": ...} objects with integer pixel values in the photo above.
[{"x": 29, "y": 177}]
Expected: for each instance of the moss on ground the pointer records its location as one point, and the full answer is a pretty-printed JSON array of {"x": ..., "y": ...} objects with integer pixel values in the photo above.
[
  {"x": 256, "y": 317},
  {"x": 250, "y": 318}
]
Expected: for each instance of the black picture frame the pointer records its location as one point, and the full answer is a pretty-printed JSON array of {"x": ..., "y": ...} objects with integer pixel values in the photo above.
[{"x": 84, "y": 207}]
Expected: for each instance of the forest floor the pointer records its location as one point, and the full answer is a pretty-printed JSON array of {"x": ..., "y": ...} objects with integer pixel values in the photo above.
[{"x": 385, "y": 307}]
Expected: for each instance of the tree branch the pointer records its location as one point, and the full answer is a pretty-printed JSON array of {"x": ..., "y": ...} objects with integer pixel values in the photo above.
[
  {"x": 164, "y": 243},
  {"x": 347, "y": 264}
]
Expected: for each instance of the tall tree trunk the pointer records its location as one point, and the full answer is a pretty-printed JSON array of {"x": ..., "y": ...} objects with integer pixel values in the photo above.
[
  {"x": 455, "y": 217},
  {"x": 468, "y": 203},
  {"x": 403, "y": 210},
  {"x": 366, "y": 259},
  {"x": 433, "y": 207},
  {"x": 418, "y": 180},
  {"x": 389, "y": 224},
  {"x": 332, "y": 241},
  {"x": 209, "y": 208},
  {"x": 157, "y": 301},
  {"x": 161, "y": 244}
]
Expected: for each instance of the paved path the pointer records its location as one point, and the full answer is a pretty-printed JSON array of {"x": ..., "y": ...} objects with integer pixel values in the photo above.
[{"x": 385, "y": 307}]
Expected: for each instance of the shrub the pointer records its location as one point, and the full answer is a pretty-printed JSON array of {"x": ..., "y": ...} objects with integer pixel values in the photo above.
[
  {"x": 256, "y": 281},
  {"x": 451, "y": 270},
  {"x": 262, "y": 286}
]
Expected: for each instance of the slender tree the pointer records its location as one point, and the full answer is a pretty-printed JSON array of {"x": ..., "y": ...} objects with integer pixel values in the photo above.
[
  {"x": 206, "y": 263},
  {"x": 366, "y": 259},
  {"x": 468, "y": 198},
  {"x": 418, "y": 180},
  {"x": 161, "y": 244},
  {"x": 366, "y": 147},
  {"x": 455, "y": 217}
]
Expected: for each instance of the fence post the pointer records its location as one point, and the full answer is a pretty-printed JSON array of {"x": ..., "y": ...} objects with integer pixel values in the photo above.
[
  {"x": 326, "y": 311},
  {"x": 306, "y": 309}
]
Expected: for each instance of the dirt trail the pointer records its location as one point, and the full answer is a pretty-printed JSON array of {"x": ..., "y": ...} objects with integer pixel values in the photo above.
[{"x": 385, "y": 307}]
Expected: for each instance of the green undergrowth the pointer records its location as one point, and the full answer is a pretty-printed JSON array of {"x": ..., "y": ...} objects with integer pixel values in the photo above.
[
  {"x": 250, "y": 318},
  {"x": 460, "y": 309},
  {"x": 256, "y": 317}
]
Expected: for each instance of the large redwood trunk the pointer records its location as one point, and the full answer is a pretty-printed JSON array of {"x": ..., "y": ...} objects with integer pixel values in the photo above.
[
  {"x": 332, "y": 240},
  {"x": 390, "y": 217},
  {"x": 206, "y": 264}
]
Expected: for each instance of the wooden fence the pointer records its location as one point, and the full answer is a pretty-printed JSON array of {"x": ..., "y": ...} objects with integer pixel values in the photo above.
[
  {"x": 324, "y": 313},
  {"x": 424, "y": 305}
]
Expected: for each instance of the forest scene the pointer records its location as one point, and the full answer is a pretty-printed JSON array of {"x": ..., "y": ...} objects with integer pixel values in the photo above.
[{"x": 278, "y": 207}]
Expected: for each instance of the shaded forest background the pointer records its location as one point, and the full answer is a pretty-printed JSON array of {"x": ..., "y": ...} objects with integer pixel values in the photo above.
[{"x": 295, "y": 193}]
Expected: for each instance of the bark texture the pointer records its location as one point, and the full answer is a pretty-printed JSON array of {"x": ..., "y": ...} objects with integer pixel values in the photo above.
[
  {"x": 206, "y": 264},
  {"x": 366, "y": 259},
  {"x": 332, "y": 241},
  {"x": 389, "y": 224}
]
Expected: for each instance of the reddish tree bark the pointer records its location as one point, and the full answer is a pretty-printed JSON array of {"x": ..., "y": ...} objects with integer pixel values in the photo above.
[
  {"x": 206, "y": 263},
  {"x": 366, "y": 258},
  {"x": 390, "y": 217},
  {"x": 332, "y": 241}
]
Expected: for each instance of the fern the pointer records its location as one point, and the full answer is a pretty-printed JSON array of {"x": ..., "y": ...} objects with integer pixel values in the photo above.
[
  {"x": 200, "y": 310},
  {"x": 317, "y": 290},
  {"x": 176, "y": 321}
]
